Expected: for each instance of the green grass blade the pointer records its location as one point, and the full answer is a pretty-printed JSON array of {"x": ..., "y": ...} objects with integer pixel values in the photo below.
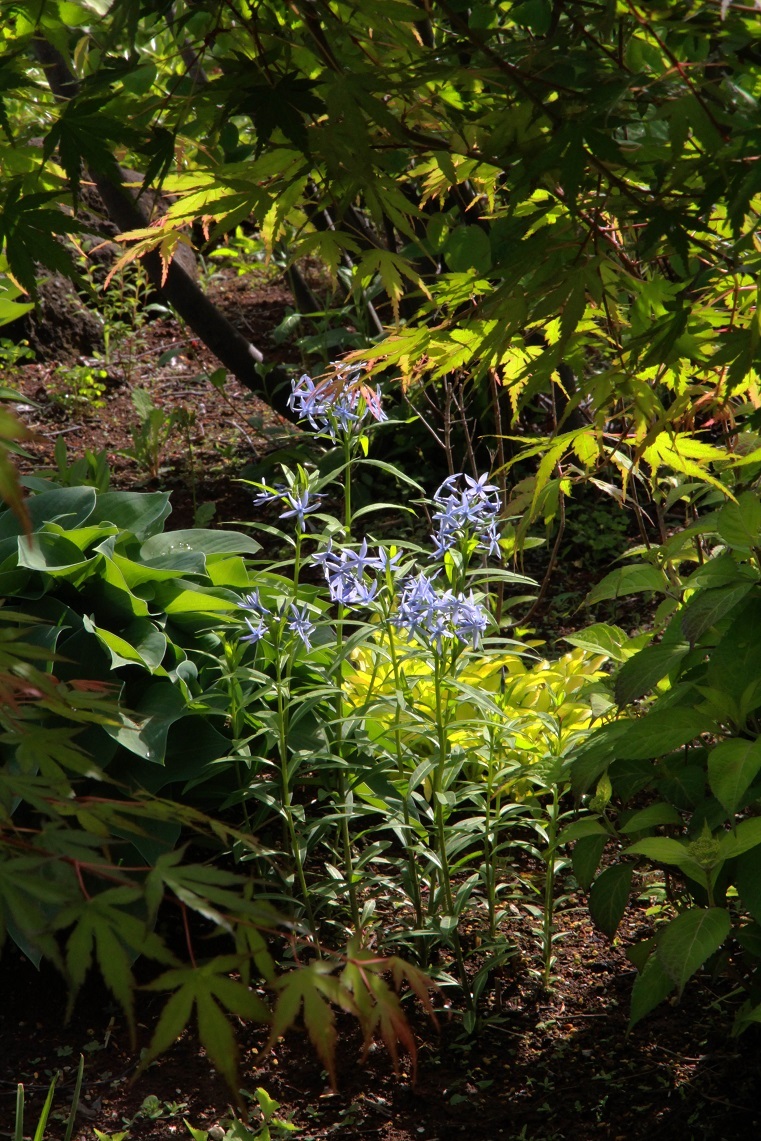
[
  {"x": 18, "y": 1132},
  {"x": 39, "y": 1132},
  {"x": 75, "y": 1100}
]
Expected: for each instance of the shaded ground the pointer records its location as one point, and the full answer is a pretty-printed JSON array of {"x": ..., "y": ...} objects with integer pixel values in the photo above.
[{"x": 544, "y": 1066}]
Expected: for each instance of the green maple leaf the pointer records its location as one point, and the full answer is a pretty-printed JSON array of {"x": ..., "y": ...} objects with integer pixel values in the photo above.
[
  {"x": 211, "y": 991},
  {"x": 312, "y": 988}
]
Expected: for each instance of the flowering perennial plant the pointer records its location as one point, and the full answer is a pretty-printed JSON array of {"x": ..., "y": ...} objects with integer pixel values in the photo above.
[
  {"x": 298, "y": 501},
  {"x": 345, "y": 572},
  {"x": 298, "y": 621},
  {"x": 465, "y": 508},
  {"x": 435, "y": 617},
  {"x": 335, "y": 406}
]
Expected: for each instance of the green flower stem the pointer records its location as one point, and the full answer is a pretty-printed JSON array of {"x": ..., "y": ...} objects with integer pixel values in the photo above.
[
  {"x": 548, "y": 923},
  {"x": 345, "y": 835},
  {"x": 442, "y": 718},
  {"x": 283, "y": 685},
  {"x": 237, "y": 708},
  {"x": 490, "y": 841},
  {"x": 408, "y": 830}
]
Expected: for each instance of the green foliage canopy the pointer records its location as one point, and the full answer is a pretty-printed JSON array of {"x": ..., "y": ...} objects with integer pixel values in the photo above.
[{"x": 552, "y": 195}]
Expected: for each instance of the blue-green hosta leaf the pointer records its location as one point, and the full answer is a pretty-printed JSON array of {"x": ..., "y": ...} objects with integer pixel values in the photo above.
[
  {"x": 732, "y": 767},
  {"x": 84, "y": 537},
  {"x": 138, "y": 573},
  {"x": 182, "y": 598},
  {"x": 67, "y": 506},
  {"x": 690, "y": 939},
  {"x": 146, "y": 733},
  {"x": 52, "y": 554},
  {"x": 142, "y": 513},
  {"x": 70, "y": 507},
  {"x": 230, "y": 572},
  {"x": 140, "y": 644},
  {"x": 109, "y": 589},
  {"x": 198, "y": 539}
]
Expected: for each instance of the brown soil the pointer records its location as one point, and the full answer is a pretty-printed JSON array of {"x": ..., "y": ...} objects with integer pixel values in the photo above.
[
  {"x": 554, "y": 1065},
  {"x": 543, "y": 1066}
]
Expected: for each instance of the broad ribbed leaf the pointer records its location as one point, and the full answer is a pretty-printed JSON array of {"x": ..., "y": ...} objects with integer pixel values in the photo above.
[
  {"x": 706, "y": 608},
  {"x": 732, "y": 767},
  {"x": 658, "y": 733},
  {"x": 198, "y": 539},
  {"x": 609, "y": 897},
  {"x": 748, "y": 881},
  {"x": 689, "y": 940},
  {"x": 650, "y": 817},
  {"x": 585, "y": 859},
  {"x": 651, "y": 986},
  {"x": 646, "y": 668},
  {"x": 636, "y": 578}
]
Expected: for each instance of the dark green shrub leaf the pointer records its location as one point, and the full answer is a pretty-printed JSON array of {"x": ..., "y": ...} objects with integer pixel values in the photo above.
[
  {"x": 749, "y": 938},
  {"x": 650, "y": 817},
  {"x": 646, "y": 668},
  {"x": 602, "y": 639},
  {"x": 746, "y": 835},
  {"x": 732, "y": 767},
  {"x": 630, "y": 777},
  {"x": 651, "y": 986},
  {"x": 689, "y": 940},
  {"x": 739, "y": 523},
  {"x": 705, "y": 609},
  {"x": 609, "y": 897},
  {"x": 659, "y": 732},
  {"x": 585, "y": 858},
  {"x": 636, "y": 578},
  {"x": 682, "y": 784},
  {"x": 664, "y": 850},
  {"x": 748, "y": 881},
  {"x": 736, "y": 660}
]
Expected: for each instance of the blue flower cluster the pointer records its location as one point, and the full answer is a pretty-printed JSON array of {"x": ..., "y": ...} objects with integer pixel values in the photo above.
[
  {"x": 335, "y": 406},
  {"x": 299, "y": 622},
  {"x": 345, "y": 573},
  {"x": 298, "y": 502},
  {"x": 466, "y": 507},
  {"x": 432, "y": 616}
]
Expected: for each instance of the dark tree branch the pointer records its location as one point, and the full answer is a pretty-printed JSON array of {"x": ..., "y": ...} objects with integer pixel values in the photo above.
[{"x": 179, "y": 290}]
